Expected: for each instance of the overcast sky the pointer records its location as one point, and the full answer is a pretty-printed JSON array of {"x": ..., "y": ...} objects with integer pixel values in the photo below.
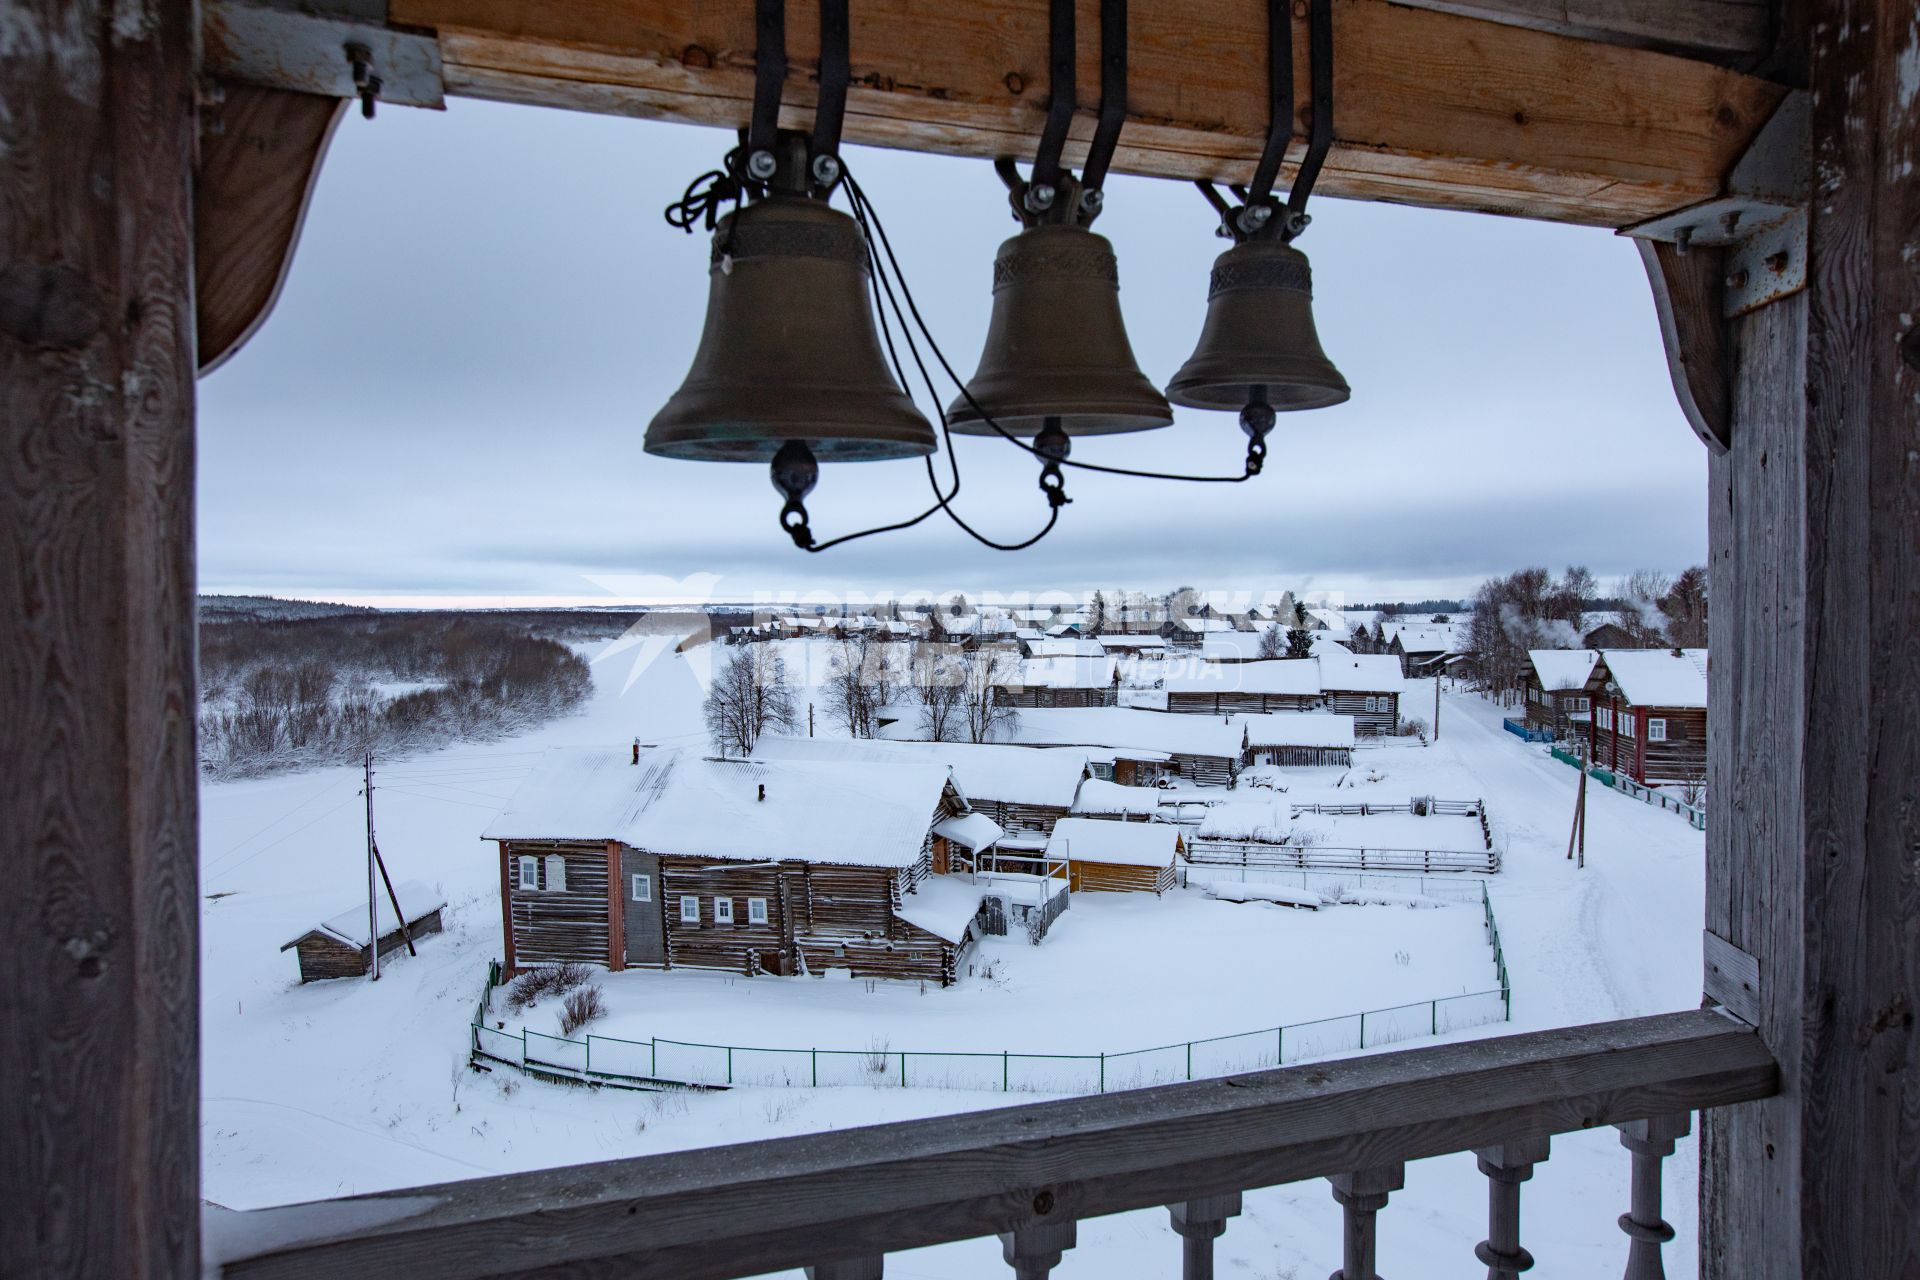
[{"x": 487, "y": 308}]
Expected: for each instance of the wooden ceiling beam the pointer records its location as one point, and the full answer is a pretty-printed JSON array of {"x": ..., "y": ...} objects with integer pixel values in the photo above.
[
  {"x": 1432, "y": 108},
  {"x": 1729, "y": 32}
]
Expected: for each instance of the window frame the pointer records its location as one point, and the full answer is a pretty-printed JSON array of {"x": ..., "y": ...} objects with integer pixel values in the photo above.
[
  {"x": 522, "y": 882},
  {"x": 757, "y": 911},
  {"x": 722, "y": 909},
  {"x": 1626, "y": 729},
  {"x": 1656, "y": 729},
  {"x": 555, "y": 862},
  {"x": 690, "y": 901},
  {"x": 640, "y": 886}
]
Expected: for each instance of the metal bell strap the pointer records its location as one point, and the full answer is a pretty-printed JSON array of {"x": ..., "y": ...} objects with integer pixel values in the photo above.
[
  {"x": 1054, "y": 195},
  {"x": 1254, "y": 216}
]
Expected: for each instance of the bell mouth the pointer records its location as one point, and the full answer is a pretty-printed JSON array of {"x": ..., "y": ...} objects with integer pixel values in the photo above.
[
  {"x": 1285, "y": 392},
  {"x": 750, "y": 442}
]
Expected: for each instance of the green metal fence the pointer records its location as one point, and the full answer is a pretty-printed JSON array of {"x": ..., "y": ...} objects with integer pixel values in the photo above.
[
  {"x": 661, "y": 1062},
  {"x": 1695, "y": 815}
]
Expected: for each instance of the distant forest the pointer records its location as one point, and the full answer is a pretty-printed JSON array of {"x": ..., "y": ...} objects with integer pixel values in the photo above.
[{"x": 285, "y": 694}]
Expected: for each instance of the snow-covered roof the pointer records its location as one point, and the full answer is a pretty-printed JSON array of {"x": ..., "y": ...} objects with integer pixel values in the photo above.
[
  {"x": 1131, "y": 642},
  {"x": 349, "y": 925},
  {"x": 970, "y": 830},
  {"x": 1334, "y": 620},
  {"x": 943, "y": 905},
  {"x": 1296, "y": 729},
  {"x": 1659, "y": 677},
  {"x": 1142, "y": 731},
  {"x": 1325, "y": 646},
  {"x": 1362, "y": 673},
  {"x": 677, "y": 801},
  {"x": 1234, "y": 646},
  {"x": 1059, "y": 673},
  {"x": 1295, "y": 676},
  {"x": 1204, "y": 625},
  {"x": 1009, "y": 774},
  {"x": 1098, "y": 796},
  {"x": 1426, "y": 638},
  {"x": 1134, "y": 844},
  {"x": 1066, "y": 647},
  {"x": 1563, "y": 668}
]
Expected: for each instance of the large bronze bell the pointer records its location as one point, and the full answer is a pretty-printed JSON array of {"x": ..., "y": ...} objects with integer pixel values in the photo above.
[
  {"x": 1056, "y": 345},
  {"x": 789, "y": 351},
  {"x": 1259, "y": 344}
]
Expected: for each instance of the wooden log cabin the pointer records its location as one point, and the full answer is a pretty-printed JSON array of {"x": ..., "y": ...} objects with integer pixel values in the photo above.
[
  {"x": 1024, "y": 790},
  {"x": 1106, "y": 856},
  {"x": 337, "y": 946},
  {"x": 1556, "y": 690},
  {"x": 1299, "y": 739},
  {"x": 665, "y": 858},
  {"x": 1649, "y": 714},
  {"x": 1229, "y": 688},
  {"x": 1759, "y": 153},
  {"x": 1060, "y": 681},
  {"x": 1144, "y": 745},
  {"x": 1366, "y": 687}
]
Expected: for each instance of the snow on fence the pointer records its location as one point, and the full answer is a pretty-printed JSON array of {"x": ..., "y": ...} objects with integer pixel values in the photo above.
[
  {"x": 645, "y": 1064},
  {"x": 1251, "y": 855}
]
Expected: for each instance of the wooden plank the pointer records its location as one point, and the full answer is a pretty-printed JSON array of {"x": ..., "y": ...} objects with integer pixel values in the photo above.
[
  {"x": 1736, "y": 32},
  {"x": 1815, "y": 746},
  {"x": 1732, "y": 978},
  {"x": 1431, "y": 108},
  {"x": 764, "y": 1206},
  {"x": 260, "y": 159},
  {"x": 1687, "y": 291},
  {"x": 99, "y": 1052}
]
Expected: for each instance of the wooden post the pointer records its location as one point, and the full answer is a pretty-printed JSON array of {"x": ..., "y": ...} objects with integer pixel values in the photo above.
[
  {"x": 506, "y": 913},
  {"x": 1815, "y": 743},
  {"x": 1506, "y": 1167},
  {"x": 99, "y": 1030},
  {"x": 1362, "y": 1194},
  {"x": 616, "y": 911}
]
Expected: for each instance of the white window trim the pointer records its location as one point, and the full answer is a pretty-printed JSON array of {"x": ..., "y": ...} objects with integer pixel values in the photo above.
[
  {"x": 642, "y": 887},
  {"x": 756, "y": 910},
  {"x": 1626, "y": 724},
  {"x": 689, "y": 909},
  {"x": 1657, "y": 729},
  {"x": 556, "y": 873},
  {"x": 723, "y": 910},
  {"x": 529, "y": 874}
]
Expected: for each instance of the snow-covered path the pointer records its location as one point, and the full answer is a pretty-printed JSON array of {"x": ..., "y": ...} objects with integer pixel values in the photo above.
[{"x": 348, "y": 1087}]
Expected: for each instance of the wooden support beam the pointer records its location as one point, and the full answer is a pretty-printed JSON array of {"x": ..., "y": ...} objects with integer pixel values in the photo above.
[
  {"x": 99, "y": 1052},
  {"x": 1431, "y": 108},
  {"x": 1733, "y": 32},
  {"x": 260, "y": 154},
  {"x": 1815, "y": 749},
  {"x": 1687, "y": 291}
]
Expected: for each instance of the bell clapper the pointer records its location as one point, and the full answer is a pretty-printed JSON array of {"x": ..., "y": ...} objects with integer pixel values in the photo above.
[
  {"x": 1054, "y": 445},
  {"x": 1256, "y": 419},
  {"x": 795, "y": 471}
]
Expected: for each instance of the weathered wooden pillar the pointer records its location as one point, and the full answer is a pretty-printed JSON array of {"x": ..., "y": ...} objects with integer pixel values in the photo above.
[
  {"x": 1814, "y": 756},
  {"x": 99, "y": 1052}
]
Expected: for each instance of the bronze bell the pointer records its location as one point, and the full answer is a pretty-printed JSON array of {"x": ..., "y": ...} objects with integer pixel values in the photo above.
[
  {"x": 1258, "y": 344},
  {"x": 1056, "y": 345},
  {"x": 789, "y": 351}
]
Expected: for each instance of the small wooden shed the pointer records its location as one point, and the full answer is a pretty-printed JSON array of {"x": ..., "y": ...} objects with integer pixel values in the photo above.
[
  {"x": 337, "y": 946},
  {"x": 1104, "y": 856}
]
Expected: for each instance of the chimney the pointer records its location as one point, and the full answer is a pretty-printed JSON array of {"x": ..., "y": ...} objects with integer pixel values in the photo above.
[
  {"x": 636, "y": 751},
  {"x": 763, "y": 791}
]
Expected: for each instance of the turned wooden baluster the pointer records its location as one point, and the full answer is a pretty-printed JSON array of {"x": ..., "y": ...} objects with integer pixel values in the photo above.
[
  {"x": 848, "y": 1269},
  {"x": 1506, "y": 1167},
  {"x": 1362, "y": 1194},
  {"x": 1199, "y": 1221},
  {"x": 1034, "y": 1251},
  {"x": 1651, "y": 1142}
]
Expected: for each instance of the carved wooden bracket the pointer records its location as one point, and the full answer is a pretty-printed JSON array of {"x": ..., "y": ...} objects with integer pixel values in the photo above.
[{"x": 1687, "y": 291}]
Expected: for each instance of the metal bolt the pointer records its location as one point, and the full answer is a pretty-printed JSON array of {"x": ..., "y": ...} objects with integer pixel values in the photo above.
[
  {"x": 761, "y": 165},
  {"x": 1682, "y": 241},
  {"x": 1090, "y": 201},
  {"x": 826, "y": 170},
  {"x": 1728, "y": 221},
  {"x": 1777, "y": 262},
  {"x": 1040, "y": 199},
  {"x": 1254, "y": 217},
  {"x": 1737, "y": 280}
]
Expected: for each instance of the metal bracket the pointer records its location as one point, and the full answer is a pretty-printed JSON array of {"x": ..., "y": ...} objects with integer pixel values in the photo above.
[
  {"x": 1760, "y": 219},
  {"x": 305, "y": 50}
]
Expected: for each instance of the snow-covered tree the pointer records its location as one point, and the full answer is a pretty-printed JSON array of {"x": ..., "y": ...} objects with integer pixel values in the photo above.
[
  {"x": 750, "y": 694},
  {"x": 933, "y": 678},
  {"x": 860, "y": 681},
  {"x": 1299, "y": 643},
  {"x": 1273, "y": 641},
  {"x": 983, "y": 713}
]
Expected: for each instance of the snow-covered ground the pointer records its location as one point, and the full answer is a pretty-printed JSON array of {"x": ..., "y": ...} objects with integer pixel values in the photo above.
[{"x": 339, "y": 1087}]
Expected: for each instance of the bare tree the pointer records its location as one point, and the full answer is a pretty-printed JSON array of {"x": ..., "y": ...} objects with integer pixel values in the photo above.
[
  {"x": 983, "y": 712},
  {"x": 1273, "y": 641},
  {"x": 933, "y": 677},
  {"x": 750, "y": 694},
  {"x": 1685, "y": 608},
  {"x": 1640, "y": 616},
  {"x": 860, "y": 681}
]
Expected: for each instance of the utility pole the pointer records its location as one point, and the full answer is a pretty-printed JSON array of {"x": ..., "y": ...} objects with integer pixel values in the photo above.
[
  {"x": 373, "y": 906},
  {"x": 809, "y": 719},
  {"x": 1577, "y": 838}
]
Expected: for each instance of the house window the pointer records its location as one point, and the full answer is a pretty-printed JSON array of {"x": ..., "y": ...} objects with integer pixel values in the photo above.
[
  {"x": 556, "y": 873},
  {"x": 723, "y": 910},
  {"x": 1656, "y": 731},
  {"x": 643, "y": 888},
  {"x": 1579, "y": 704},
  {"x": 1626, "y": 724},
  {"x": 529, "y": 873},
  {"x": 1103, "y": 771},
  {"x": 1372, "y": 704},
  {"x": 1605, "y": 718},
  {"x": 756, "y": 910},
  {"x": 689, "y": 909}
]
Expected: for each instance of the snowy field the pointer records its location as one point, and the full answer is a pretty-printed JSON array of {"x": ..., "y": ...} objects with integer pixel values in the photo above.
[{"x": 346, "y": 1086}]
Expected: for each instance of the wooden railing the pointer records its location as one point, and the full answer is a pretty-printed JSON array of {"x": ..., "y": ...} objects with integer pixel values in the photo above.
[
  {"x": 838, "y": 1202},
  {"x": 1259, "y": 855}
]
